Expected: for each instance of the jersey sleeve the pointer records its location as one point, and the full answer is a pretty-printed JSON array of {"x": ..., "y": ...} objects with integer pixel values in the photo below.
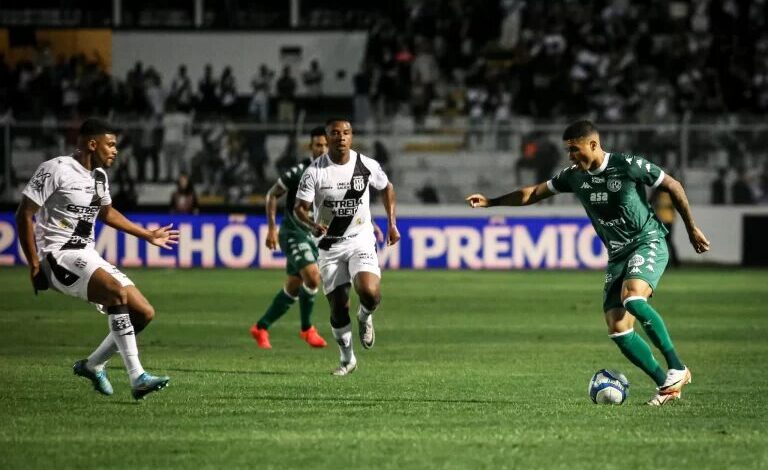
[
  {"x": 560, "y": 183},
  {"x": 291, "y": 178},
  {"x": 378, "y": 178},
  {"x": 645, "y": 172},
  {"x": 43, "y": 184},
  {"x": 306, "y": 190}
]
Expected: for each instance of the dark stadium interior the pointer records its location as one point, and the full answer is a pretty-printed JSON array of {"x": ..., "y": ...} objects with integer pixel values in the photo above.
[{"x": 503, "y": 74}]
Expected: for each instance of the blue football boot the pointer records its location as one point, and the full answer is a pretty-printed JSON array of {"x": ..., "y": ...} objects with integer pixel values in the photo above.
[
  {"x": 147, "y": 384},
  {"x": 98, "y": 379}
]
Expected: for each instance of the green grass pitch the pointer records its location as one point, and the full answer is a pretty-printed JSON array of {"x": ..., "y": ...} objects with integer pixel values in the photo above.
[{"x": 470, "y": 370}]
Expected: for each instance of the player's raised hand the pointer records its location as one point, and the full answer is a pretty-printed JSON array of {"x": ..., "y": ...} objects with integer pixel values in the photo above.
[
  {"x": 698, "y": 240},
  {"x": 271, "y": 240},
  {"x": 164, "y": 237},
  {"x": 393, "y": 235},
  {"x": 477, "y": 200}
]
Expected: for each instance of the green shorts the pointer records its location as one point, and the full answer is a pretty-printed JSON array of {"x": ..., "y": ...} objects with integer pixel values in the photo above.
[
  {"x": 299, "y": 249},
  {"x": 646, "y": 261}
]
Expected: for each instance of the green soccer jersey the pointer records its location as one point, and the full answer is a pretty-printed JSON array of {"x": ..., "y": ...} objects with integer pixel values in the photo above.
[
  {"x": 615, "y": 200},
  {"x": 290, "y": 182}
]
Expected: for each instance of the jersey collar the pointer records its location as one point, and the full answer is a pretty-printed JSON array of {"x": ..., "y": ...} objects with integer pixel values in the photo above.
[
  {"x": 352, "y": 158},
  {"x": 602, "y": 166},
  {"x": 78, "y": 167}
]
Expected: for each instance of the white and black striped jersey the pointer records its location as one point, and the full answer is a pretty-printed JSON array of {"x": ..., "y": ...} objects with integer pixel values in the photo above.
[
  {"x": 340, "y": 195},
  {"x": 70, "y": 198}
]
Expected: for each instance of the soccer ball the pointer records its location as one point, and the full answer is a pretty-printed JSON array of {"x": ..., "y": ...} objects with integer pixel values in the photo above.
[{"x": 608, "y": 387}]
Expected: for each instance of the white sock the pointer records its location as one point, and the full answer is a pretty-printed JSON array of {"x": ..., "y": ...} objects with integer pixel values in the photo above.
[
  {"x": 343, "y": 337},
  {"x": 99, "y": 357},
  {"x": 125, "y": 339},
  {"x": 363, "y": 313}
]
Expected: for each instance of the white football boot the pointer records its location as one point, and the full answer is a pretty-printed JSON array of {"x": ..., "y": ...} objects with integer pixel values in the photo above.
[
  {"x": 345, "y": 368},
  {"x": 662, "y": 398},
  {"x": 672, "y": 387}
]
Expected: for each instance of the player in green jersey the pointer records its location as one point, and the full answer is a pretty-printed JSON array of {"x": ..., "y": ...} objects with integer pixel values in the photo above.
[
  {"x": 611, "y": 187},
  {"x": 301, "y": 253}
]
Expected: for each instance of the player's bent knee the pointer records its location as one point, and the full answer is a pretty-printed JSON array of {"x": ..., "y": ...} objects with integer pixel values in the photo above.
[
  {"x": 148, "y": 312},
  {"x": 292, "y": 285},
  {"x": 311, "y": 277},
  {"x": 370, "y": 298},
  {"x": 312, "y": 282}
]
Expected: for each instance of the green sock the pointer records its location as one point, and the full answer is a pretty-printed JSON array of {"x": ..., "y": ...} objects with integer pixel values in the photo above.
[
  {"x": 655, "y": 329},
  {"x": 306, "y": 305},
  {"x": 639, "y": 353},
  {"x": 280, "y": 304}
]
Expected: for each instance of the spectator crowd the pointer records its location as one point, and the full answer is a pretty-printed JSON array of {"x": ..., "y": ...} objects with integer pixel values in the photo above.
[{"x": 615, "y": 61}]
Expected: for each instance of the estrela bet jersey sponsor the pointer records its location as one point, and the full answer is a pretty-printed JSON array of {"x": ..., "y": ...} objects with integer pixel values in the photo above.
[
  {"x": 70, "y": 198},
  {"x": 615, "y": 200},
  {"x": 340, "y": 196}
]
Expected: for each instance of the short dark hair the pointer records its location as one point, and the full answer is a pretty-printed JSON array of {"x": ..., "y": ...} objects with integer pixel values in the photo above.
[
  {"x": 579, "y": 129},
  {"x": 93, "y": 127},
  {"x": 336, "y": 119},
  {"x": 317, "y": 132}
]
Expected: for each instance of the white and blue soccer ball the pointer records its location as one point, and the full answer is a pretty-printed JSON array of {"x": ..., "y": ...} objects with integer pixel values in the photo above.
[{"x": 608, "y": 387}]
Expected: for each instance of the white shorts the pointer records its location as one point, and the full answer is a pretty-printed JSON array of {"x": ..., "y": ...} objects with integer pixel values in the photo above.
[
  {"x": 68, "y": 271},
  {"x": 340, "y": 264}
]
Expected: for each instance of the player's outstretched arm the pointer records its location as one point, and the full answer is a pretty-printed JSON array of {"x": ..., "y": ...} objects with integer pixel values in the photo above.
[
  {"x": 162, "y": 237},
  {"x": 520, "y": 197},
  {"x": 25, "y": 228},
  {"x": 388, "y": 199},
  {"x": 301, "y": 211},
  {"x": 274, "y": 193},
  {"x": 680, "y": 200}
]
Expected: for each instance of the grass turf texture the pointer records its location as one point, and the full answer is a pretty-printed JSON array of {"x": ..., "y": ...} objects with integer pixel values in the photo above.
[{"x": 470, "y": 370}]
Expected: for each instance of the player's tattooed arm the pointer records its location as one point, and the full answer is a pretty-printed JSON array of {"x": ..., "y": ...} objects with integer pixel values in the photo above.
[
  {"x": 301, "y": 211},
  {"x": 680, "y": 200},
  {"x": 388, "y": 199},
  {"x": 25, "y": 229},
  {"x": 162, "y": 236},
  {"x": 274, "y": 193},
  {"x": 520, "y": 197}
]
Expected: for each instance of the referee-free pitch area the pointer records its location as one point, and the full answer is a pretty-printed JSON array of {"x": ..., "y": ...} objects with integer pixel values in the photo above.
[{"x": 470, "y": 370}]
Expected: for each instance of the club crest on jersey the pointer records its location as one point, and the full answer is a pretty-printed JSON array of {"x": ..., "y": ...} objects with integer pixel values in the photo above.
[
  {"x": 358, "y": 183},
  {"x": 614, "y": 185}
]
